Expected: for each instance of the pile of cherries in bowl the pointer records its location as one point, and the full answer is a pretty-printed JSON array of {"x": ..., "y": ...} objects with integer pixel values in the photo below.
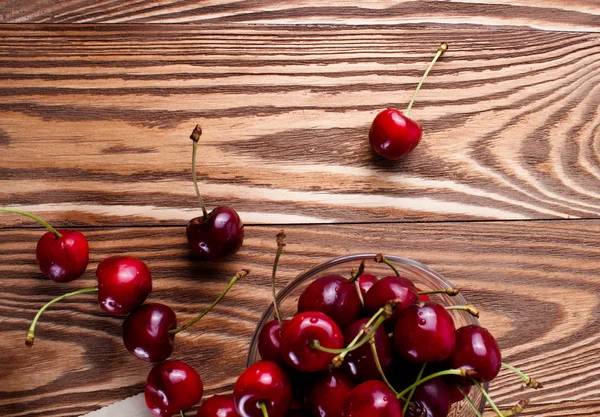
[{"x": 370, "y": 335}]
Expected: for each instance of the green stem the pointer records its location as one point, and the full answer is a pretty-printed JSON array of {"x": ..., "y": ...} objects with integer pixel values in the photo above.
[
  {"x": 460, "y": 372},
  {"x": 530, "y": 382},
  {"x": 182, "y": 413},
  {"x": 31, "y": 332},
  {"x": 195, "y": 137},
  {"x": 280, "y": 244},
  {"x": 237, "y": 276},
  {"x": 468, "y": 308},
  {"x": 448, "y": 291},
  {"x": 263, "y": 407},
  {"x": 412, "y": 391},
  {"x": 37, "y": 219},
  {"x": 353, "y": 345},
  {"x": 470, "y": 402},
  {"x": 488, "y": 398},
  {"x": 443, "y": 48},
  {"x": 380, "y": 258},
  {"x": 358, "y": 272},
  {"x": 378, "y": 365}
]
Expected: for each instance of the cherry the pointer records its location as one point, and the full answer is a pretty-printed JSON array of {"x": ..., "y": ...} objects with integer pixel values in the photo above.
[
  {"x": 172, "y": 387},
  {"x": 326, "y": 395},
  {"x": 262, "y": 389},
  {"x": 425, "y": 332},
  {"x": 149, "y": 331},
  {"x": 124, "y": 283},
  {"x": 455, "y": 395},
  {"x": 477, "y": 350},
  {"x": 269, "y": 341},
  {"x": 299, "y": 335},
  {"x": 62, "y": 255},
  {"x": 360, "y": 363},
  {"x": 390, "y": 288},
  {"x": 393, "y": 134},
  {"x": 334, "y": 296},
  {"x": 365, "y": 282},
  {"x": 215, "y": 235},
  {"x": 217, "y": 406},
  {"x": 373, "y": 399},
  {"x": 431, "y": 399}
]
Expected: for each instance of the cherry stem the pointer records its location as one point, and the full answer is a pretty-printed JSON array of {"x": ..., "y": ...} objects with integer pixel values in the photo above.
[
  {"x": 412, "y": 391},
  {"x": 378, "y": 365},
  {"x": 443, "y": 48},
  {"x": 460, "y": 372},
  {"x": 488, "y": 398},
  {"x": 357, "y": 272},
  {"x": 280, "y": 244},
  {"x": 517, "y": 409},
  {"x": 379, "y": 258},
  {"x": 37, "y": 219},
  {"x": 468, "y": 308},
  {"x": 237, "y": 276},
  {"x": 182, "y": 413},
  {"x": 195, "y": 137},
  {"x": 470, "y": 402},
  {"x": 31, "y": 332},
  {"x": 263, "y": 407},
  {"x": 529, "y": 382},
  {"x": 448, "y": 291}
]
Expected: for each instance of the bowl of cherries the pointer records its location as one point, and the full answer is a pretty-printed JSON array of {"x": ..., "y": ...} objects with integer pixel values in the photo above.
[{"x": 370, "y": 335}]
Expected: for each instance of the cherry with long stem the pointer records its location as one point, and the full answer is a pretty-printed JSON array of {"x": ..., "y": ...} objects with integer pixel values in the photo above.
[
  {"x": 529, "y": 382},
  {"x": 31, "y": 332},
  {"x": 233, "y": 280},
  {"x": 443, "y": 48}
]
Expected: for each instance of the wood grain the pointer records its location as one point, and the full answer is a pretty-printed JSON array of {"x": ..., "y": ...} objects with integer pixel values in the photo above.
[
  {"x": 565, "y": 15},
  {"x": 95, "y": 121},
  {"x": 536, "y": 283}
]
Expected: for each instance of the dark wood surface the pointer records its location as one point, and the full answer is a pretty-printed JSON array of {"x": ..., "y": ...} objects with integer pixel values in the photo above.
[{"x": 501, "y": 197}]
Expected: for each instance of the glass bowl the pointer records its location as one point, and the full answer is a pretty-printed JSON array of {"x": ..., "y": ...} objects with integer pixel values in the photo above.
[{"x": 424, "y": 278}]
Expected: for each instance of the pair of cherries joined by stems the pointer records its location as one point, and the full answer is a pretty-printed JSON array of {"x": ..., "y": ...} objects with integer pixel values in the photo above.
[{"x": 349, "y": 366}]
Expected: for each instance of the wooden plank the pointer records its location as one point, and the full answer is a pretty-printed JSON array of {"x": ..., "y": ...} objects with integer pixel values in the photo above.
[
  {"x": 569, "y": 15},
  {"x": 96, "y": 119},
  {"x": 536, "y": 284}
]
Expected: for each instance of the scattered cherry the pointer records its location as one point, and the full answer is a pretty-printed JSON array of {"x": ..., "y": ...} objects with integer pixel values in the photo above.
[
  {"x": 172, "y": 387},
  {"x": 62, "y": 255},
  {"x": 149, "y": 331},
  {"x": 334, "y": 296},
  {"x": 326, "y": 395},
  {"x": 393, "y": 134},
  {"x": 217, "y": 406},
  {"x": 215, "y": 235},
  {"x": 299, "y": 335},
  {"x": 372, "y": 399},
  {"x": 425, "y": 332},
  {"x": 124, "y": 283},
  {"x": 477, "y": 350},
  {"x": 262, "y": 385}
]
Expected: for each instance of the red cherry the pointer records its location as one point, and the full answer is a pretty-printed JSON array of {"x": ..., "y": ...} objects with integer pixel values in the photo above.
[
  {"x": 171, "y": 387},
  {"x": 123, "y": 284},
  {"x": 393, "y": 135},
  {"x": 65, "y": 258},
  {"x": 425, "y": 332},
  {"x": 476, "y": 350},
  {"x": 217, "y": 406},
  {"x": 431, "y": 399},
  {"x": 326, "y": 395},
  {"x": 360, "y": 363},
  {"x": 365, "y": 282},
  {"x": 269, "y": 341},
  {"x": 298, "y": 336},
  {"x": 146, "y": 332},
  {"x": 219, "y": 235},
  {"x": 372, "y": 399},
  {"x": 334, "y": 296},
  {"x": 215, "y": 235},
  {"x": 390, "y": 288},
  {"x": 263, "y": 382}
]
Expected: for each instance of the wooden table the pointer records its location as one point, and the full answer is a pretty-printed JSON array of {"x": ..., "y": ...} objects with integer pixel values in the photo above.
[{"x": 501, "y": 196}]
